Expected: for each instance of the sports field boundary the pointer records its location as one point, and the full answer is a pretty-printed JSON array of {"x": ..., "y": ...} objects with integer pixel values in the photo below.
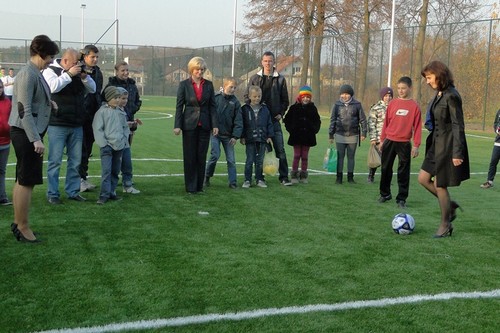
[{"x": 260, "y": 313}]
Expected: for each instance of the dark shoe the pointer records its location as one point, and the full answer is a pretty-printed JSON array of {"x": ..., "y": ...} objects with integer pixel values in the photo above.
[
  {"x": 78, "y": 197},
  {"x": 447, "y": 233},
  {"x": 339, "y": 178},
  {"x": 55, "y": 201},
  {"x": 192, "y": 192},
  {"x": 232, "y": 186},
  {"x": 383, "y": 199},
  {"x": 13, "y": 227},
  {"x": 350, "y": 178},
  {"x": 20, "y": 237},
  {"x": 286, "y": 182},
  {"x": 207, "y": 181},
  {"x": 401, "y": 204},
  {"x": 5, "y": 202},
  {"x": 453, "y": 212},
  {"x": 115, "y": 198},
  {"x": 101, "y": 201}
]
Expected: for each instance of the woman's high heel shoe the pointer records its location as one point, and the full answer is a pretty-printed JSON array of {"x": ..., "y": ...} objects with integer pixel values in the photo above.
[
  {"x": 453, "y": 213},
  {"x": 20, "y": 237},
  {"x": 447, "y": 233}
]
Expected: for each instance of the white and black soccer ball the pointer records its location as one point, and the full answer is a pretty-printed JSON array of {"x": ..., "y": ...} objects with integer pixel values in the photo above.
[{"x": 403, "y": 224}]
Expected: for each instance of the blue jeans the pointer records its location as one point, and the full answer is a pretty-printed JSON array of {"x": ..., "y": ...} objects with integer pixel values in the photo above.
[
  {"x": 111, "y": 161},
  {"x": 215, "y": 154},
  {"x": 279, "y": 150},
  {"x": 126, "y": 167},
  {"x": 4, "y": 156},
  {"x": 59, "y": 138},
  {"x": 255, "y": 155}
]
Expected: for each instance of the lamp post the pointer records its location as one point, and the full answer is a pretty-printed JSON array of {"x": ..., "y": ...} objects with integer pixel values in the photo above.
[
  {"x": 83, "y": 6},
  {"x": 234, "y": 36}
]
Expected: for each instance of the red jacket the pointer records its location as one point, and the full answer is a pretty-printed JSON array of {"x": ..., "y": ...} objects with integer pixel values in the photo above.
[
  {"x": 5, "y": 106},
  {"x": 403, "y": 120}
]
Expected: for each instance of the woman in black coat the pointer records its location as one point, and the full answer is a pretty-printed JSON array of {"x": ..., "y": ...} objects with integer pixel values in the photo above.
[
  {"x": 195, "y": 117},
  {"x": 447, "y": 158},
  {"x": 302, "y": 121}
]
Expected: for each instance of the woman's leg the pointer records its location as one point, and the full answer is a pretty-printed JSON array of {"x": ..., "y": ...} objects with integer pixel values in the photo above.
[
  {"x": 21, "y": 197},
  {"x": 443, "y": 196}
]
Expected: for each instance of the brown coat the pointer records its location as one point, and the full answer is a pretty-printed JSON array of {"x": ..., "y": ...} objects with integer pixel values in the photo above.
[{"x": 448, "y": 138}]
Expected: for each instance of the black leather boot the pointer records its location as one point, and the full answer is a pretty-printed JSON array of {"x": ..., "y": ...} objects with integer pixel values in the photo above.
[
  {"x": 350, "y": 178},
  {"x": 339, "y": 178}
]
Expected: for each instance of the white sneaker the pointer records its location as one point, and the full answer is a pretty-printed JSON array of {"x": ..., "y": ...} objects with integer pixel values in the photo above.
[
  {"x": 261, "y": 183},
  {"x": 131, "y": 190},
  {"x": 246, "y": 184},
  {"x": 85, "y": 185}
]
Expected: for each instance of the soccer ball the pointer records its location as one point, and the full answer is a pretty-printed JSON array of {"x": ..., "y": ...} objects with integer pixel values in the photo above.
[{"x": 403, "y": 224}]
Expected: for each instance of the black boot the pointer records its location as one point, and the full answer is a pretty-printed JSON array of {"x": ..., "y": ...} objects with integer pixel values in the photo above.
[
  {"x": 350, "y": 178},
  {"x": 303, "y": 177},
  {"x": 339, "y": 178},
  {"x": 371, "y": 175}
]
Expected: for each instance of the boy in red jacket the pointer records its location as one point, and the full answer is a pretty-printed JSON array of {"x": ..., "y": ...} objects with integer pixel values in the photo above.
[{"x": 402, "y": 123}]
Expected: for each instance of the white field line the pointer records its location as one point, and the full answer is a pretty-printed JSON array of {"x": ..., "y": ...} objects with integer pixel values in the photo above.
[
  {"x": 259, "y": 313},
  {"x": 312, "y": 172}
]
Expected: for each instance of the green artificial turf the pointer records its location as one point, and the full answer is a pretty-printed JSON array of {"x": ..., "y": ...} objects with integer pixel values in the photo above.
[{"x": 153, "y": 256}]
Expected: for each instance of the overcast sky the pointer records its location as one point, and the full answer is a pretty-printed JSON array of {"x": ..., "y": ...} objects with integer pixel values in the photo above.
[
  {"x": 185, "y": 23},
  {"x": 188, "y": 23}
]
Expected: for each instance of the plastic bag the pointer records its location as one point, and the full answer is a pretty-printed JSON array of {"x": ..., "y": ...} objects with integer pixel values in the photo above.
[
  {"x": 373, "y": 157},
  {"x": 330, "y": 160},
  {"x": 271, "y": 164}
]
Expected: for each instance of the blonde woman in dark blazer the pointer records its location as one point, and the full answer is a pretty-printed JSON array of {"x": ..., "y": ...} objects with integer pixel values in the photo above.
[
  {"x": 195, "y": 117},
  {"x": 31, "y": 107}
]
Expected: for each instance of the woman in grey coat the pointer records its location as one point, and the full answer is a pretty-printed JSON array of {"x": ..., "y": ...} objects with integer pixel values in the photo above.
[{"x": 28, "y": 122}]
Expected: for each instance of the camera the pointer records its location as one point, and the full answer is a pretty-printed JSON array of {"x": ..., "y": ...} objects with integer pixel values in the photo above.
[
  {"x": 85, "y": 69},
  {"x": 83, "y": 52}
]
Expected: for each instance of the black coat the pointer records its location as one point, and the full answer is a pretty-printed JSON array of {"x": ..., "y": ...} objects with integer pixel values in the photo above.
[
  {"x": 188, "y": 112},
  {"x": 303, "y": 123},
  {"x": 448, "y": 138}
]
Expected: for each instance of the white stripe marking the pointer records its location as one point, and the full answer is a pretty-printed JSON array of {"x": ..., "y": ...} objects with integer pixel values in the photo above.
[{"x": 259, "y": 313}]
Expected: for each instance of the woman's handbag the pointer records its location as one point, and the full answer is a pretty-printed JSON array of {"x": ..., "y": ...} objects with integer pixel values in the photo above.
[
  {"x": 330, "y": 160},
  {"x": 373, "y": 157}
]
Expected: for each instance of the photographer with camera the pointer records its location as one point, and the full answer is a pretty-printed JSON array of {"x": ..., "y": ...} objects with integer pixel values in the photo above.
[
  {"x": 68, "y": 85},
  {"x": 89, "y": 56}
]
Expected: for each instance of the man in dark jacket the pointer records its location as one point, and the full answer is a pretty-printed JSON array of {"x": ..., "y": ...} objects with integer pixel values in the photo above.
[
  {"x": 90, "y": 54},
  {"x": 275, "y": 96},
  {"x": 68, "y": 85}
]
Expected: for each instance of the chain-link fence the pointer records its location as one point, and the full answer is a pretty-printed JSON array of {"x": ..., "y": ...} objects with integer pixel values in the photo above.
[{"x": 471, "y": 49}]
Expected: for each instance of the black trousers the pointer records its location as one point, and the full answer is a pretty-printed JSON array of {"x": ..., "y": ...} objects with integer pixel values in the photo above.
[
  {"x": 391, "y": 149},
  {"x": 195, "y": 147},
  {"x": 88, "y": 141}
]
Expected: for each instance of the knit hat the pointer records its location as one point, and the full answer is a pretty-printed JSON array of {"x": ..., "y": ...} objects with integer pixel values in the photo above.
[
  {"x": 304, "y": 91},
  {"x": 122, "y": 91},
  {"x": 111, "y": 92},
  {"x": 386, "y": 90},
  {"x": 346, "y": 89}
]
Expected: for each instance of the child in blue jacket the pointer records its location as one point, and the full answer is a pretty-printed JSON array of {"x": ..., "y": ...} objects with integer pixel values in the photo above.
[{"x": 258, "y": 132}]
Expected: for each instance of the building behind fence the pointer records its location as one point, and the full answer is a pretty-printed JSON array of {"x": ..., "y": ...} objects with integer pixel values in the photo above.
[{"x": 471, "y": 50}]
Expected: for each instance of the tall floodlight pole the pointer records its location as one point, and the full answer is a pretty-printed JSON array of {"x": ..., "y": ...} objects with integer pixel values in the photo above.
[
  {"x": 234, "y": 35},
  {"x": 116, "y": 31},
  {"x": 83, "y": 6},
  {"x": 391, "y": 43}
]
